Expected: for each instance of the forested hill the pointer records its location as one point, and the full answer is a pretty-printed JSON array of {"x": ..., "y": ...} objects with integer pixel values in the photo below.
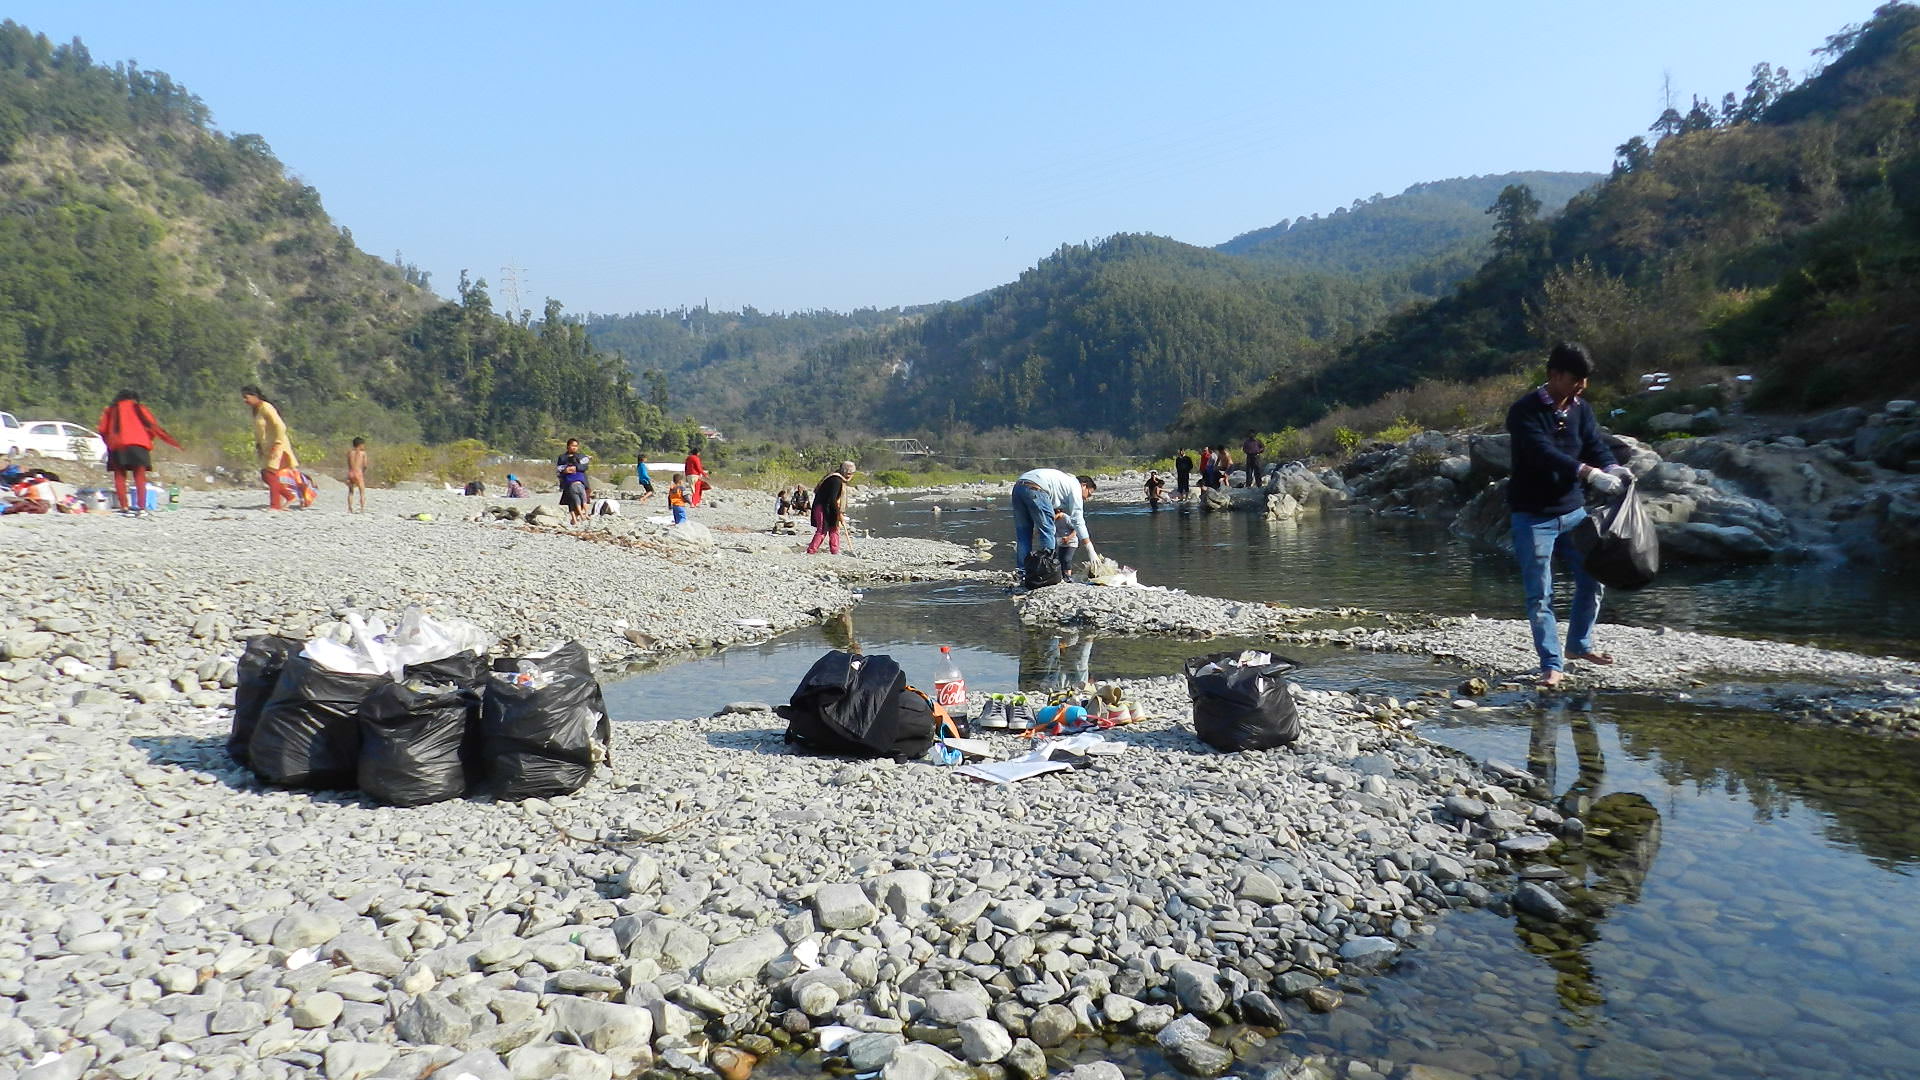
[
  {"x": 1114, "y": 336},
  {"x": 1111, "y": 336},
  {"x": 140, "y": 247},
  {"x": 712, "y": 364},
  {"x": 1776, "y": 231},
  {"x": 1439, "y": 220}
]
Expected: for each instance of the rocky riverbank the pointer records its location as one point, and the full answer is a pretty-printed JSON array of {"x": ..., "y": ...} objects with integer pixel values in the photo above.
[
  {"x": 1831, "y": 686},
  {"x": 1844, "y": 483},
  {"x": 710, "y": 899}
]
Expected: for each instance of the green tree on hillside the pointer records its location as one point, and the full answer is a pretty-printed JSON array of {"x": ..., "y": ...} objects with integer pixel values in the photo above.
[{"x": 142, "y": 248}]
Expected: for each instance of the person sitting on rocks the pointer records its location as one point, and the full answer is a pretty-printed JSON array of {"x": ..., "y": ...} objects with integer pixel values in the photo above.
[
  {"x": 1556, "y": 448},
  {"x": 1155, "y": 486},
  {"x": 515, "y": 489}
]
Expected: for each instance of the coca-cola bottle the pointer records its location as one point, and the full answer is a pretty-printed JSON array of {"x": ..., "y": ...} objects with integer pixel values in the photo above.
[{"x": 949, "y": 686}]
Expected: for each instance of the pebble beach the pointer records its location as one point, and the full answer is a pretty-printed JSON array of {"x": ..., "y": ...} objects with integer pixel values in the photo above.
[{"x": 714, "y": 900}]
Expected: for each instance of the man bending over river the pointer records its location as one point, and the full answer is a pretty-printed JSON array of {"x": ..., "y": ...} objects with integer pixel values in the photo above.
[{"x": 1556, "y": 448}]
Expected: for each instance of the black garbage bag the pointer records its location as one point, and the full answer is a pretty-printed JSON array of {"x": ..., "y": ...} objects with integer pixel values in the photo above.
[
  {"x": 259, "y": 672},
  {"x": 1042, "y": 570},
  {"x": 1620, "y": 546},
  {"x": 1241, "y": 701},
  {"x": 411, "y": 742},
  {"x": 468, "y": 670},
  {"x": 859, "y": 706},
  {"x": 463, "y": 669},
  {"x": 539, "y": 736},
  {"x": 307, "y": 736}
]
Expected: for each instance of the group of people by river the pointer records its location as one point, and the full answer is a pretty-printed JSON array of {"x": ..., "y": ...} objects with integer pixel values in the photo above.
[
  {"x": 1556, "y": 440},
  {"x": 1557, "y": 449}
]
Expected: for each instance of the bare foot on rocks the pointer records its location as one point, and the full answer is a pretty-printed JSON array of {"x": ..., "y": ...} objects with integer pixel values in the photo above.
[
  {"x": 1550, "y": 680},
  {"x": 1603, "y": 659}
]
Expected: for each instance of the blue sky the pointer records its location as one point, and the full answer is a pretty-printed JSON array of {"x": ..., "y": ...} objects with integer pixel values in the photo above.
[{"x": 630, "y": 156}]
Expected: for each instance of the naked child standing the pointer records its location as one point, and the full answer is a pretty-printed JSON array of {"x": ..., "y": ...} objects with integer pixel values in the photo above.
[{"x": 357, "y": 475}]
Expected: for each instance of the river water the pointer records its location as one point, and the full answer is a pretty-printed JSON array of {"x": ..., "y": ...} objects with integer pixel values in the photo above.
[{"x": 1753, "y": 908}]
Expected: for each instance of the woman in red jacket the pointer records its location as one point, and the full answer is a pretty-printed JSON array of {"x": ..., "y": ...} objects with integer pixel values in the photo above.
[
  {"x": 129, "y": 430},
  {"x": 696, "y": 476}
]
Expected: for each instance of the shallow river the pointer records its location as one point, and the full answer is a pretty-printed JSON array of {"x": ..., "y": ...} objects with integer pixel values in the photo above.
[{"x": 1757, "y": 906}]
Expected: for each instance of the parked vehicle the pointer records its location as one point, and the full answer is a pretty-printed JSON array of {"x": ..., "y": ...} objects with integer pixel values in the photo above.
[
  {"x": 59, "y": 439},
  {"x": 9, "y": 432}
]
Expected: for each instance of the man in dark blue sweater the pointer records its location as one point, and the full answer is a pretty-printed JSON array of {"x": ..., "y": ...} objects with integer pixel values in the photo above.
[{"x": 1556, "y": 448}]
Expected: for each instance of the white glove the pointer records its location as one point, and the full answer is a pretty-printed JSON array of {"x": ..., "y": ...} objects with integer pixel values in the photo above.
[
  {"x": 1604, "y": 482},
  {"x": 1625, "y": 474},
  {"x": 1088, "y": 544}
]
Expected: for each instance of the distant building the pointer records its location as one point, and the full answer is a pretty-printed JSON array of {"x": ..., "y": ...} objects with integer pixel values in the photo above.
[{"x": 713, "y": 434}]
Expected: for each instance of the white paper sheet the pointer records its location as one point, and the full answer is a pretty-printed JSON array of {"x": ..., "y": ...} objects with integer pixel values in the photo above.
[{"x": 1008, "y": 772}]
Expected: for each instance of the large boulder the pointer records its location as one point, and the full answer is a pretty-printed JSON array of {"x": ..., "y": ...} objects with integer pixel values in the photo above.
[
  {"x": 1900, "y": 522},
  {"x": 1875, "y": 440},
  {"x": 1637, "y": 456},
  {"x": 1491, "y": 455},
  {"x": 691, "y": 535},
  {"x": 1312, "y": 490},
  {"x": 1426, "y": 497},
  {"x": 1674, "y": 423},
  {"x": 1699, "y": 541},
  {"x": 1838, "y": 424},
  {"x": 1799, "y": 480},
  {"x": 1485, "y": 520}
]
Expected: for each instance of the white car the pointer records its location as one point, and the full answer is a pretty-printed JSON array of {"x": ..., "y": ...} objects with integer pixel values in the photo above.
[
  {"x": 9, "y": 429},
  {"x": 58, "y": 439}
]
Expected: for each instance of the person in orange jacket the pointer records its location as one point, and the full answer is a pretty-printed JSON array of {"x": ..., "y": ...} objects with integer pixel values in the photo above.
[{"x": 128, "y": 428}]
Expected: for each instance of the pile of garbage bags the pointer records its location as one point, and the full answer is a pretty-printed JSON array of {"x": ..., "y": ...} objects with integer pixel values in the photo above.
[{"x": 417, "y": 714}]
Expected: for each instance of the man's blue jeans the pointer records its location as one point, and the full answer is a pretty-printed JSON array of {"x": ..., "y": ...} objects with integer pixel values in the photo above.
[
  {"x": 1535, "y": 540},
  {"x": 1032, "y": 509}
]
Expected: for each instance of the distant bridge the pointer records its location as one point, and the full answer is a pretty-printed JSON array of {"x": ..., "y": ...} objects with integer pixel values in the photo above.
[{"x": 907, "y": 447}]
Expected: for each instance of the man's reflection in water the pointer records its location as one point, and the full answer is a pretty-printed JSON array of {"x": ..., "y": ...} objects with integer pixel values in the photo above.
[
  {"x": 1056, "y": 663},
  {"x": 1607, "y": 866},
  {"x": 839, "y": 632}
]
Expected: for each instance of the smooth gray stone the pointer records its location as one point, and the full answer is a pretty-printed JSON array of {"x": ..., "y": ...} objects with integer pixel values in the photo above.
[
  {"x": 843, "y": 906},
  {"x": 983, "y": 1041},
  {"x": 1533, "y": 899},
  {"x": 948, "y": 1008},
  {"x": 433, "y": 1019},
  {"x": 867, "y": 1052},
  {"x": 600, "y": 1025}
]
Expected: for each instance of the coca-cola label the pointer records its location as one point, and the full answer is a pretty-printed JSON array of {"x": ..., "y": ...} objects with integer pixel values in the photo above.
[{"x": 950, "y": 692}]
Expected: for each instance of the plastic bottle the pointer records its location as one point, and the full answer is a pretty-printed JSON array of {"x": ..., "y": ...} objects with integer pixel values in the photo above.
[{"x": 949, "y": 686}]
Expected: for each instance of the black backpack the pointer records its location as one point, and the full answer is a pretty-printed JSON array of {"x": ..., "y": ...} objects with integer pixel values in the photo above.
[
  {"x": 859, "y": 706},
  {"x": 1042, "y": 570}
]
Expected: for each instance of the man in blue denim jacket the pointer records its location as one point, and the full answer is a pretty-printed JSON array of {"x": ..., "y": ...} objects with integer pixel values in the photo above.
[{"x": 1556, "y": 448}]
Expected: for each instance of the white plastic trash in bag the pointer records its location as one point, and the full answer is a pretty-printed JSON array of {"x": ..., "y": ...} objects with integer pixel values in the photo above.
[
  {"x": 365, "y": 652},
  {"x": 422, "y": 639}
]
